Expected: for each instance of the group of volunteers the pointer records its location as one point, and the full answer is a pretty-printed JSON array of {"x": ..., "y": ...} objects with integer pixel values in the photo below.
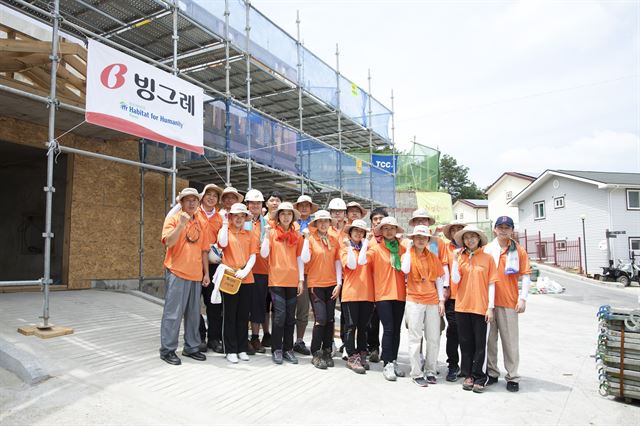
[{"x": 289, "y": 256}]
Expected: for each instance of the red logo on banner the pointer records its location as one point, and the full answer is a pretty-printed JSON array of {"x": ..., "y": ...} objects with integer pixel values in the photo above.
[{"x": 113, "y": 74}]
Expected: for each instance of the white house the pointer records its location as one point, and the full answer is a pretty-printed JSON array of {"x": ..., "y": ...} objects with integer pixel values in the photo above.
[
  {"x": 559, "y": 201},
  {"x": 471, "y": 211},
  {"x": 500, "y": 192}
]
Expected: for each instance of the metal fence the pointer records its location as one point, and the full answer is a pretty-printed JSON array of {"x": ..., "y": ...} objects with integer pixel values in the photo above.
[{"x": 564, "y": 253}]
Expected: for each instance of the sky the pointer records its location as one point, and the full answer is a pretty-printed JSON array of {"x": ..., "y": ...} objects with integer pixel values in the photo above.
[{"x": 501, "y": 86}]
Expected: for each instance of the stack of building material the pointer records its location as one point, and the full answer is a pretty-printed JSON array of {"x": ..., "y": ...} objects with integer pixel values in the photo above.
[{"x": 618, "y": 355}]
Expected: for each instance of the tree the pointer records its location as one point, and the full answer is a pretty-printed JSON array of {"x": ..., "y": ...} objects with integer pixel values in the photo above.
[{"x": 454, "y": 179}]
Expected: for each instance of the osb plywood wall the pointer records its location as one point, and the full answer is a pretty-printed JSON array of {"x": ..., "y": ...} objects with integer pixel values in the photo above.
[{"x": 103, "y": 208}]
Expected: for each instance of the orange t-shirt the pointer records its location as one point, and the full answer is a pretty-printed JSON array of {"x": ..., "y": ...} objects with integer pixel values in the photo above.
[
  {"x": 453, "y": 287},
  {"x": 475, "y": 275},
  {"x": 321, "y": 269},
  {"x": 215, "y": 223},
  {"x": 357, "y": 284},
  {"x": 338, "y": 235},
  {"x": 184, "y": 259},
  {"x": 442, "y": 249},
  {"x": 283, "y": 261},
  {"x": 422, "y": 289},
  {"x": 387, "y": 282},
  {"x": 507, "y": 287},
  {"x": 262, "y": 264},
  {"x": 241, "y": 245}
]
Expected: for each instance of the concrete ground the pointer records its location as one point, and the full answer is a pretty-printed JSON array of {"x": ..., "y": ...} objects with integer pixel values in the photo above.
[{"x": 108, "y": 372}]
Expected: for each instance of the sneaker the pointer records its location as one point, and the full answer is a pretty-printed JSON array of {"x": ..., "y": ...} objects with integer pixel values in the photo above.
[
  {"x": 266, "y": 340},
  {"x": 420, "y": 381},
  {"x": 171, "y": 358},
  {"x": 452, "y": 374},
  {"x": 328, "y": 358},
  {"x": 318, "y": 361},
  {"x": 250, "y": 350},
  {"x": 397, "y": 369},
  {"x": 431, "y": 380},
  {"x": 467, "y": 384},
  {"x": 374, "y": 356},
  {"x": 353, "y": 363},
  {"x": 389, "y": 373},
  {"x": 216, "y": 346},
  {"x": 276, "y": 356},
  {"x": 345, "y": 356},
  {"x": 232, "y": 358},
  {"x": 243, "y": 356},
  {"x": 289, "y": 356},
  {"x": 478, "y": 388},
  {"x": 203, "y": 347},
  {"x": 301, "y": 348},
  {"x": 491, "y": 380},
  {"x": 513, "y": 386},
  {"x": 363, "y": 361},
  {"x": 257, "y": 346}
]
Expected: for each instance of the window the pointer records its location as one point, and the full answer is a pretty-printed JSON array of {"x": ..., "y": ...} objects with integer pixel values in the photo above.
[
  {"x": 558, "y": 203},
  {"x": 539, "y": 210},
  {"x": 460, "y": 216},
  {"x": 633, "y": 199},
  {"x": 634, "y": 246},
  {"x": 561, "y": 245},
  {"x": 509, "y": 195}
]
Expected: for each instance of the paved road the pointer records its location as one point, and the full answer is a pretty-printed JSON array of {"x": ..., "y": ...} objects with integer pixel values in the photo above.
[
  {"x": 109, "y": 372},
  {"x": 595, "y": 295}
]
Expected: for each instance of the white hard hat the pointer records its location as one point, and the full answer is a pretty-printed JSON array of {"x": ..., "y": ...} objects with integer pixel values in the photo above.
[
  {"x": 254, "y": 195},
  {"x": 337, "y": 204}
]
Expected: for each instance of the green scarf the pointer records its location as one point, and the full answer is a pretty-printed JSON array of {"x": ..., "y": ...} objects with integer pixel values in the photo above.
[{"x": 394, "y": 248}]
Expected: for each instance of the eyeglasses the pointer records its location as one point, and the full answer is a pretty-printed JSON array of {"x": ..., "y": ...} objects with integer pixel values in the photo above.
[{"x": 193, "y": 232}]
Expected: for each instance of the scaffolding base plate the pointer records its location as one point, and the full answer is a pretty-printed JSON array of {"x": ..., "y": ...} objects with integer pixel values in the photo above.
[{"x": 53, "y": 331}]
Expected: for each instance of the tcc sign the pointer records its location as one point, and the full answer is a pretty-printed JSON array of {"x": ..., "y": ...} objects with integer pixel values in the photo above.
[{"x": 385, "y": 162}]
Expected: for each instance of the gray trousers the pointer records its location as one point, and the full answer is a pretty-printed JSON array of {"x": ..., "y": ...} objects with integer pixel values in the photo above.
[
  {"x": 181, "y": 299},
  {"x": 506, "y": 325},
  {"x": 302, "y": 311}
]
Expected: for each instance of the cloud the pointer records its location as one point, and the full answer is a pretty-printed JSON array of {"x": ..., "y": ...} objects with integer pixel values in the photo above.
[{"x": 604, "y": 151}]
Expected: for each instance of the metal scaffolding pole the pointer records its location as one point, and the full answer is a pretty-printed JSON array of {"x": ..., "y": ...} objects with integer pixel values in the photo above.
[
  {"x": 51, "y": 152},
  {"x": 227, "y": 89},
  {"x": 339, "y": 115},
  {"x": 141, "y": 250},
  {"x": 174, "y": 153},
  {"x": 370, "y": 143},
  {"x": 300, "y": 109},
  {"x": 248, "y": 80},
  {"x": 394, "y": 156}
]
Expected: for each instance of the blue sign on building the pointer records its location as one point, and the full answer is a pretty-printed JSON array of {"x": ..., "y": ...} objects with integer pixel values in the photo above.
[{"x": 385, "y": 162}]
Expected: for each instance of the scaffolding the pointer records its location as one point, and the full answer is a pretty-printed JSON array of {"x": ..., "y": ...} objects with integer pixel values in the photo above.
[{"x": 274, "y": 111}]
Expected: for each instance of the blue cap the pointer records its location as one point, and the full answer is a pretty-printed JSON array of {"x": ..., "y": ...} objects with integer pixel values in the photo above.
[{"x": 504, "y": 220}]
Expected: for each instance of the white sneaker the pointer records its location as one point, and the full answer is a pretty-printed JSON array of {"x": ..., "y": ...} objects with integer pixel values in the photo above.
[
  {"x": 396, "y": 370},
  {"x": 243, "y": 356},
  {"x": 232, "y": 358},
  {"x": 389, "y": 373}
]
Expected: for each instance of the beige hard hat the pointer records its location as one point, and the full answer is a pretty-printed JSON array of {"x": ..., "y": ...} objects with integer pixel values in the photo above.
[
  {"x": 285, "y": 205},
  {"x": 211, "y": 187},
  {"x": 358, "y": 223},
  {"x": 239, "y": 208},
  {"x": 232, "y": 190},
  {"x": 363, "y": 211},
  {"x": 446, "y": 230},
  {"x": 306, "y": 199},
  {"x": 421, "y": 213},
  {"x": 320, "y": 215},
  {"x": 389, "y": 220},
  {"x": 422, "y": 231},
  {"x": 188, "y": 191}
]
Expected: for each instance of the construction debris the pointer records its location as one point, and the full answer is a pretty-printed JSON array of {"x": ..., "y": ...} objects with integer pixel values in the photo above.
[{"x": 618, "y": 353}]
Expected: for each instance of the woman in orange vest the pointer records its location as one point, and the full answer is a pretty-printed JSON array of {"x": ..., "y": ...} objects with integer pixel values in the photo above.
[
  {"x": 476, "y": 274},
  {"x": 357, "y": 295},
  {"x": 390, "y": 292},
  {"x": 286, "y": 279},
  {"x": 324, "y": 279},
  {"x": 239, "y": 248}
]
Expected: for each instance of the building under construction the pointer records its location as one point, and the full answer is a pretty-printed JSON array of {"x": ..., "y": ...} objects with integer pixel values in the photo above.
[{"x": 276, "y": 117}]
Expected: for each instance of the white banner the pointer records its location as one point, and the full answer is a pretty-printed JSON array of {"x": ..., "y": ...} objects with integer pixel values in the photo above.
[{"x": 126, "y": 94}]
